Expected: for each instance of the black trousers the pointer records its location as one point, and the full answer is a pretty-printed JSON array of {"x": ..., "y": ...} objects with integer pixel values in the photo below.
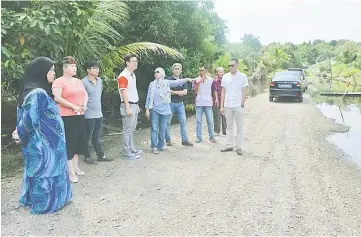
[{"x": 93, "y": 133}]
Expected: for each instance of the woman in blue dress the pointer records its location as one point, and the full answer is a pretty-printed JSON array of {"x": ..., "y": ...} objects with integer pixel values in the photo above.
[{"x": 46, "y": 185}]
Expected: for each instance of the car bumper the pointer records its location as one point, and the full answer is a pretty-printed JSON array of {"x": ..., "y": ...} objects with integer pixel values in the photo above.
[{"x": 285, "y": 93}]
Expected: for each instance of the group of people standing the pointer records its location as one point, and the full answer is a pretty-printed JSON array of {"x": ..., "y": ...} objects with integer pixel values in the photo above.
[
  {"x": 57, "y": 119},
  {"x": 225, "y": 96}
]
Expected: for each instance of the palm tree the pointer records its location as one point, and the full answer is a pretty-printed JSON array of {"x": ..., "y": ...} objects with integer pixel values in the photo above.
[{"x": 99, "y": 37}]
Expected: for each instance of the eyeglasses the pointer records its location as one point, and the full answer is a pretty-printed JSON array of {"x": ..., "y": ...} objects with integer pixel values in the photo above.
[
  {"x": 231, "y": 65},
  {"x": 94, "y": 68}
]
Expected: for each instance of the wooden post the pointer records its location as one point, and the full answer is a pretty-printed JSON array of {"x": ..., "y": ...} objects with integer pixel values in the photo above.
[{"x": 329, "y": 62}]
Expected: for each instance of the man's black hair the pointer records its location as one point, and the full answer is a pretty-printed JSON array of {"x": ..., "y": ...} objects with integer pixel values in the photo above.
[
  {"x": 91, "y": 63},
  {"x": 234, "y": 59},
  {"x": 128, "y": 57}
]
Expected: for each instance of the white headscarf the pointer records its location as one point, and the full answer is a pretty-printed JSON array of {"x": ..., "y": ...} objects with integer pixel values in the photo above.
[
  {"x": 163, "y": 87},
  {"x": 161, "y": 71}
]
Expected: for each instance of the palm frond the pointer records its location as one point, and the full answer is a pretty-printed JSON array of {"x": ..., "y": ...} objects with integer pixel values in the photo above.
[
  {"x": 99, "y": 34},
  {"x": 116, "y": 56}
]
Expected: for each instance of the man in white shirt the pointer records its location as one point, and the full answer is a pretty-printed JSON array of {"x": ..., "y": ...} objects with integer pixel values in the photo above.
[
  {"x": 129, "y": 108},
  {"x": 202, "y": 89},
  {"x": 234, "y": 92}
]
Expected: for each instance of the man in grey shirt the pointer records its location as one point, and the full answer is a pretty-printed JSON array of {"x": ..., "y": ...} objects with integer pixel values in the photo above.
[{"x": 93, "y": 114}]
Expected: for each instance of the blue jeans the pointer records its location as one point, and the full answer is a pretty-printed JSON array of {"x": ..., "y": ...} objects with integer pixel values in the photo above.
[
  {"x": 209, "y": 117},
  {"x": 181, "y": 113},
  {"x": 158, "y": 126}
]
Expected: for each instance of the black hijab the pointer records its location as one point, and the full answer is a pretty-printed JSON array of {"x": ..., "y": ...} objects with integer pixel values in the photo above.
[{"x": 36, "y": 77}]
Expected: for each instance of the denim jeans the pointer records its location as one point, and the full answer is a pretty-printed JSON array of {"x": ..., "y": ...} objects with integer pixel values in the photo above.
[
  {"x": 181, "y": 113},
  {"x": 209, "y": 117},
  {"x": 93, "y": 132},
  {"x": 158, "y": 125}
]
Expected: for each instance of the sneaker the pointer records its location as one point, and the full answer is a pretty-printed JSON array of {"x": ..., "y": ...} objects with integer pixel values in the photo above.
[
  {"x": 163, "y": 148},
  {"x": 155, "y": 151},
  {"x": 169, "y": 143},
  {"x": 239, "y": 151},
  {"x": 187, "y": 143},
  {"x": 90, "y": 161},
  {"x": 137, "y": 151},
  {"x": 227, "y": 149},
  {"x": 131, "y": 157},
  {"x": 105, "y": 159},
  {"x": 212, "y": 140}
]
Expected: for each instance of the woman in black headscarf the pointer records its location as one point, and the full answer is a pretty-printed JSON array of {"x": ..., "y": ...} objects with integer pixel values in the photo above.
[{"x": 46, "y": 184}]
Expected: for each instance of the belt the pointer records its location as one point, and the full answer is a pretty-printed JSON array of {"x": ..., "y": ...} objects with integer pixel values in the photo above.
[
  {"x": 177, "y": 101},
  {"x": 133, "y": 103}
]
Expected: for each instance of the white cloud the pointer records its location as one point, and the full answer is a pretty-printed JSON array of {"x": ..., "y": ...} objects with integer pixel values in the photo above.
[{"x": 292, "y": 20}]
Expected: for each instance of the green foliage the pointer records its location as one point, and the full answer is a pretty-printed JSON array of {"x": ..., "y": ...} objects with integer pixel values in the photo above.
[
  {"x": 348, "y": 52},
  {"x": 190, "y": 27},
  {"x": 223, "y": 61},
  {"x": 84, "y": 29},
  {"x": 343, "y": 70},
  {"x": 275, "y": 58}
]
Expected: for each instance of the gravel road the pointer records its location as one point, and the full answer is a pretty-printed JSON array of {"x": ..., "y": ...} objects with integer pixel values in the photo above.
[{"x": 290, "y": 181}]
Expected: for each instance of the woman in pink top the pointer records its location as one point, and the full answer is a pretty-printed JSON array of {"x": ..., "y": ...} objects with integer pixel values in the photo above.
[{"x": 72, "y": 98}]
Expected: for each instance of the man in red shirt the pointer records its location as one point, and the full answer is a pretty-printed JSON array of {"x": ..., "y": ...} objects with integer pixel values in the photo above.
[{"x": 217, "y": 116}]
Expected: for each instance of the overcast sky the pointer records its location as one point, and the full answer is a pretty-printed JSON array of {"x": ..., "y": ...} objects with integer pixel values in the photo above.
[{"x": 292, "y": 20}]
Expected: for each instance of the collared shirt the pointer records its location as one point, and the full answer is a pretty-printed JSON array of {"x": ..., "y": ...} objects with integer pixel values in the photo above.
[
  {"x": 217, "y": 87},
  {"x": 234, "y": 85},
  {"x": 204, "y": 95},
  {"x": 178, "y": 88},
  {"x": 94, "y": 106},
  {"x": 128, "y": 81}
]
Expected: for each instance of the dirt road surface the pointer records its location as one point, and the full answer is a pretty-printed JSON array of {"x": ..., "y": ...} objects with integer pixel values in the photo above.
[{"x": 289, "y": 181}]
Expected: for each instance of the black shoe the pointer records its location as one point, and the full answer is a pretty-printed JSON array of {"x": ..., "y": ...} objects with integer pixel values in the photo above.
[
  {"x": 105, "y": 159},
  {"x": 224, "y": 133},
  {"x": 227, "y": 149},
  {"x": 187, "y": 143},
  {"x": 239, "y": 152},
  {"x": 90, "y": 161},
  {"x": 169, "y": 143}
]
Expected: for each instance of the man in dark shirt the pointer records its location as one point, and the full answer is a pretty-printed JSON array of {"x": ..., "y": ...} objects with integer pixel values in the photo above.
[{"x": 177, "y": 106}]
